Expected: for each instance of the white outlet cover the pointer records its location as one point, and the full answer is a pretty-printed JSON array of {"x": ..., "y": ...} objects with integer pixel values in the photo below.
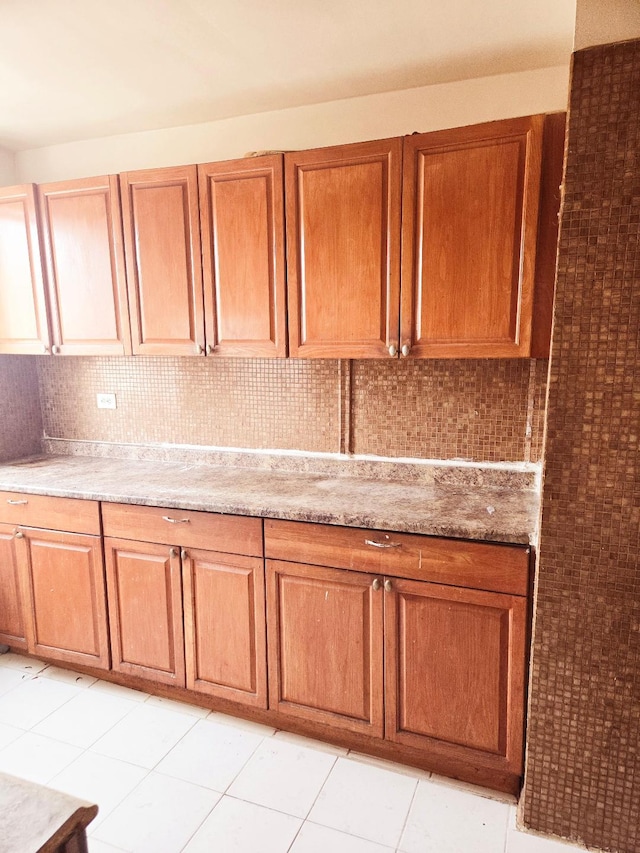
[{"x": 106, "y": 401}]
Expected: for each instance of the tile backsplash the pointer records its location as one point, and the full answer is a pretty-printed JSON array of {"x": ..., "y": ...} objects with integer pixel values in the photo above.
[{"x": 481, "y": 410}]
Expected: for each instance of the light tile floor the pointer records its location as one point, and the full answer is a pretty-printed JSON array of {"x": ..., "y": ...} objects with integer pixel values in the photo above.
[{"x": 171, "y": 777}]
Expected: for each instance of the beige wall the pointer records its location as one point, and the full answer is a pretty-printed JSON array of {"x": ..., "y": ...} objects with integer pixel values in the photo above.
[
  {"x": 606, "y": 21},
  {"x": 7, "y": 168},
  {"x": 349, "y": 120}
]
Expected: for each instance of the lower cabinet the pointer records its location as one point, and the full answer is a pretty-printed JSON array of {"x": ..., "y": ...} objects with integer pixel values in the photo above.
[
  {"x": 56, "y": 585},
  {"x": 186, "y": 599}
]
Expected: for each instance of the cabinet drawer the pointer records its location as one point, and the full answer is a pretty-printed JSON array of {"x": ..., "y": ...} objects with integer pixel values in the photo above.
[
  {"x": 475, "y": 565},
  {"x": 72, "y": 514},
  {"x": 231, "y": 534}
]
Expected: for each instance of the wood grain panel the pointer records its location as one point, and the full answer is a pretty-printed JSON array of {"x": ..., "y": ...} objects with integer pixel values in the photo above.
[
  {"x": 164, "y": 264},
  {"x": 479, "y": 565},
  {"x": 234, "y": 534},
  {"x": 343, "y": 250},
  {"x": 66, "y": 596},
  {"x": 470, "y": 217},
  {"x": 72, "y": 514},
  {"x": 455, "y": 671},
  {"x": 84, "y": 252},
  {"x": 145, "y": 610},
  {"x": 242, "y": 217},
  {"x": 225, "y": 635},
  {"x": 325, "y": 646},
  {"x": 12, "y": 631},
  {"x": 24, "y": 327}
]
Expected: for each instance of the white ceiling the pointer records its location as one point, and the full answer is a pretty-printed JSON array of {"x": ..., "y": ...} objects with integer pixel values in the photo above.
[{"x": 76, "y": 69}]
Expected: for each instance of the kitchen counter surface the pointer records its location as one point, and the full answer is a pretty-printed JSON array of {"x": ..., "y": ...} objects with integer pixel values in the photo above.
[{"x": 496, "y": 513}]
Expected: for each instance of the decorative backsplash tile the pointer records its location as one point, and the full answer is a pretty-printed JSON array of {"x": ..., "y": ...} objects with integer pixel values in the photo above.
[
  {"x": 20, "y": 421},
  {"x": 475, "y": 410}
]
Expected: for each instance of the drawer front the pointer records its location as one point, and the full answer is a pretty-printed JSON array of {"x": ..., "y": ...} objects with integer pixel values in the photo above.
[
  {"x": 231, "y": 534},
  {"x": 475, "y": 565},
  {"x": 68, "y": 514}
]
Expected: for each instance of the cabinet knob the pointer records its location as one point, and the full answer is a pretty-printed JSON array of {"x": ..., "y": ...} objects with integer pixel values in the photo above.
[
  {"x": 183, "y": 554},
  {"x": 173, "y": 552},
  {"x": 209, "y": 349},
  {"x": 388, "y": 586},
  {"x": 406, "y": 349},
  {"x": 376, "y": 584},
  {"x": 393, "y": 352},
  {"x": 19, "y": 535},
  {"x": 55, "y": 349},
  {"x": 200, "y": 349}
]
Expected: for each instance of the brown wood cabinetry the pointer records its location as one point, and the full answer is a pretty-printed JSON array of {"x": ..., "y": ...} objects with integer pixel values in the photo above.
[
  {"x": 242, "y": 217},
  {"x": 174, "y": 568},
  {"x": 453, "y": 683},
  {"x": 23, "y": 310},
  {"x": 163, "y": 258},
  {"x": 82, "y": 234},
  {"x": 60, "y": 577},
  {"x": 12, "y": 631},
  {"x": 343, "y": 249}
]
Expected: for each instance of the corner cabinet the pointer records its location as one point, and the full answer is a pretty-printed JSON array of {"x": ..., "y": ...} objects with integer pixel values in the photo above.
[{"x": 24, "y": 325}]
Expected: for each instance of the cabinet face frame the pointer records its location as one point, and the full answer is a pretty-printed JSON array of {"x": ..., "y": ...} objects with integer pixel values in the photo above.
[
  {"x": 93, "y": 591},
  {"x": 32, "y": 270},
  {"x": 510, "y": 612},
  {"x": 12, "y": 605},
  {"x": 105, "y": 187},
  {"x": 527, "y": 133},
  {"x": 251, "y": 226},
  {"x": 387, "y": 155},
  {"x": 184, "y": 179},
  {"x": 234, "y": 572}
]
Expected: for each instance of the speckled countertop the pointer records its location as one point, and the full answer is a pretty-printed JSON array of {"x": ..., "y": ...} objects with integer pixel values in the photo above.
[{"x": 501, "y": 512}]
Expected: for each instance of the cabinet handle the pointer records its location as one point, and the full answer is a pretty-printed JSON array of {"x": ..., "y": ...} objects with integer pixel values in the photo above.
[
  {"x": 173, "y": 552},
  {"x": 176, "y": 520},
  {"x": 19, "y": 535},
  {"x": 375, "y": 544},
  {"x": 388, "y": 586},
  {"x": 183, "y": 554},
  {"x": 393, "y": 351},
  {"x": 17, "y": 503},
  {"x": 406, "y": 349},
  {"x": 209, "y": 349},
  {"x": 376, "y": 584},
  {"x": 45, "y": 348}
]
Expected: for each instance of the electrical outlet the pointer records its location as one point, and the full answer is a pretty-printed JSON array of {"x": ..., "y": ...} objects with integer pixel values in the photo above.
[{"x": 106, "y": 401}]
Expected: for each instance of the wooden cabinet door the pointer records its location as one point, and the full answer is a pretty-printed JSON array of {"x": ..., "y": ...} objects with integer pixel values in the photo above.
[
  {"x": 145, "y": 610},
  {"x": 242, "y": 217},
  {"x": 470, "y": 217},
  {"x": 82, "y": 233},
  {"x": 224, "y": 620},
  {"x": 325, "y": 646},
  {"x": 343, "y": 249},
  {"x": 67, "y": 617},
  {"x": 164, "y": 264},
  {"x": 11, "y": 604},
  {"x": 23, "y": 310},
  {"x": 455, "y": 673}
]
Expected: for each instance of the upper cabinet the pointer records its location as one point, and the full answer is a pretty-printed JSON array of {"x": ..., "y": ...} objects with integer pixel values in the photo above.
[
  {"x": 82, "y": 235},
  {"x": 23, "y": 311},
  {"x": 343, "y": 249},
  {"x": 470, "y": 221},
  {"x": 242, "y": 220},
  {"x": 164, "y": 266}
]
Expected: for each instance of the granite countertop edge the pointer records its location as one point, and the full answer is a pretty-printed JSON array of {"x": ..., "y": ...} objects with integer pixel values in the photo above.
[{"x": 481, "y": 513}]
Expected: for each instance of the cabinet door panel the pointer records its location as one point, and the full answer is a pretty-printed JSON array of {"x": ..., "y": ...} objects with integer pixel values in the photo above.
[
  {"x": 82, "y": 232},
  {"x": 164, "y": 264},
  {"x": 470, "y": 216},
  {"x": 23, "y": 311},
  {"x": 242, "y": 215},
  {"x": 145, "y": 610},
  {"x": 11, "y": 605},
  {"x": 325, "y": 646},
  {"x": 225, "y": 640},
  {"x": 455, "y": 662},
  {"x": 66, "y": 596},
  {"x": 343, "y": 252}
]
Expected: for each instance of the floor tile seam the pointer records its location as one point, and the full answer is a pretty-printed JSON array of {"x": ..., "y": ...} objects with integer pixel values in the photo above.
[
  {"x": 393, "y": 847},
  {"x": 46, "y": 716},
  {"x": 385, "y": 764},
  {"x": 262, "y": 806},
  {"x": 295, "y": 837},
  {"x": 398, "y": 844},
  {"x": 200, "y": 825},
  {"x": 85, "y": 747}
]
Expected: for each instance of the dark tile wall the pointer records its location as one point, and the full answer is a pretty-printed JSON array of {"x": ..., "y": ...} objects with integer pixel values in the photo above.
[
  {"x": 583, "y": 767},
  {"x": 20, "y": 422}
]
